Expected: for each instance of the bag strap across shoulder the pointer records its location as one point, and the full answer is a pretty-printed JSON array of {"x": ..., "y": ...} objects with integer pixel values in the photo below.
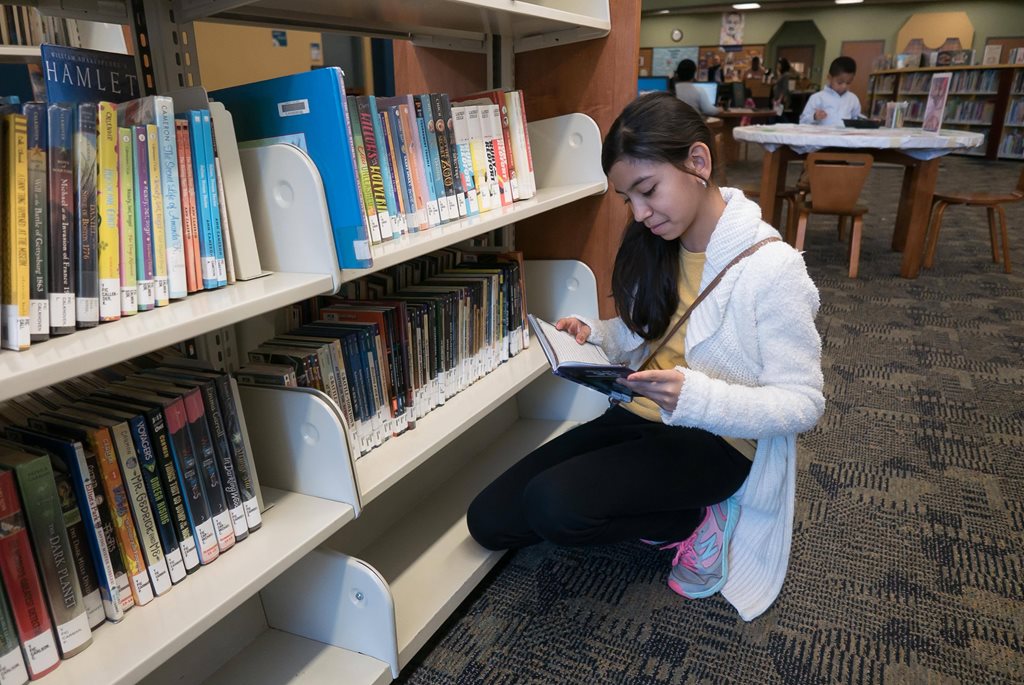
[{"x": 704, "y": 293}]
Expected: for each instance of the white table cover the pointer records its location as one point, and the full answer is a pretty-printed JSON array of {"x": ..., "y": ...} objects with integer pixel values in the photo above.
[{"x": 806, "y": 138}]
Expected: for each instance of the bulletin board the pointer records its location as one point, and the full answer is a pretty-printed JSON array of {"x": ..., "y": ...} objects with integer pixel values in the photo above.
[
  {"x": 665, "y": 60},
  {"x": 735, "y": 60}
]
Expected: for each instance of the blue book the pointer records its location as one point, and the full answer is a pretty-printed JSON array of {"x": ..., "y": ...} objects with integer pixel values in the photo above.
[
  {"x": 369, "y": 103},
  {"x": 212, "y": 185},
  {"x": 424, "y": 113},
  {"x": 81, "y": 75},
  {"x": 207, "y": 249},
  {"x": 306, "y": 110}
]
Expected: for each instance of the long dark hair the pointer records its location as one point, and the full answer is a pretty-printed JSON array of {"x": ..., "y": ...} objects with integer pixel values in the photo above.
[{"x": 656, "y": 127}]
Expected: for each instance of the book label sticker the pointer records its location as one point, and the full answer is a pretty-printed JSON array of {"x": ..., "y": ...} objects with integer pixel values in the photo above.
[
  {"x": 74, "y": 633},
  {"x": 41, "y": 651},
  {"x": 293, "y": 108}
]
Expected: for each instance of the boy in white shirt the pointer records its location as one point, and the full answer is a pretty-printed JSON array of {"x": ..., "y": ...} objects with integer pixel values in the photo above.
[{"x": 828, "y": 107}]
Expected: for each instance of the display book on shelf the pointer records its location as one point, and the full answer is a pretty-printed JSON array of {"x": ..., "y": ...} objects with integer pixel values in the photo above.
[
  {"x": 981, "y": 98},
  {"x": 562, "y": 159},
  {"x": 116, "y": 206}
]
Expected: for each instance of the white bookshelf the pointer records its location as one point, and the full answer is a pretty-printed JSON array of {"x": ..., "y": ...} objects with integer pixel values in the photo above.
[
  {"x": 293, "y": 524},
  {"x": 89, "y": 349},
  {"x": 222, "y": 624}
]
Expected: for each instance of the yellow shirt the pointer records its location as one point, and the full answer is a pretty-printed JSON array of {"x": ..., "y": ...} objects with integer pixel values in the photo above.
[{"x": 673, "y": 353}]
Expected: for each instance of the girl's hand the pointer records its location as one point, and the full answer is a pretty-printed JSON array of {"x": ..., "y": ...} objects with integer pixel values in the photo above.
[
  {"x": 662, "y": 386},
  {"x": 574, "y": 327}
]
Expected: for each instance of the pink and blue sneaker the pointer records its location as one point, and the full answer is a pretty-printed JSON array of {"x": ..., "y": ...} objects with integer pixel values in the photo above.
[{"x": 701, "y": 564}]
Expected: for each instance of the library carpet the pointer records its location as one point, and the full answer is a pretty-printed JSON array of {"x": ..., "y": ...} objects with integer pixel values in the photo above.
[{"x": 909, "y": 529}]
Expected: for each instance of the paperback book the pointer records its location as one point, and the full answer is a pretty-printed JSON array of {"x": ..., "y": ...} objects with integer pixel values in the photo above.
[{"x": 585, "y": 364}]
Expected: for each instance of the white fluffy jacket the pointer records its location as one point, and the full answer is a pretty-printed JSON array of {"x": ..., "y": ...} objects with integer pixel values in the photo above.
[{"x": 755, "y": 372}]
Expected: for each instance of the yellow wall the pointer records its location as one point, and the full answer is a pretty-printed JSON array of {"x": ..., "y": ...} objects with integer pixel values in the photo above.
[
  {"x": 991, "y": 18},
  {"x": 230, "y": 55}
]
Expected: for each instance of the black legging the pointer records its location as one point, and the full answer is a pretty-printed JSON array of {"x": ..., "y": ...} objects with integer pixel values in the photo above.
[{"x": 618, "y": 477}]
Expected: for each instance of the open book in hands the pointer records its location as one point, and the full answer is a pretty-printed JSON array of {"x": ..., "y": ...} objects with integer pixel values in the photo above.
[{"x": 585, "y": 364}]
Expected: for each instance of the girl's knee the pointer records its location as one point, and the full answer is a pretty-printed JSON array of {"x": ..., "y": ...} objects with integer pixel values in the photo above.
[{"x": 552, "y": 516}]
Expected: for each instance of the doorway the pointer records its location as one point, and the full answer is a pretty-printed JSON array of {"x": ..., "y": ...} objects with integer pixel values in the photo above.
[
  {"x": 864, "y": 53},
  {"x": 801, "y": 57}
]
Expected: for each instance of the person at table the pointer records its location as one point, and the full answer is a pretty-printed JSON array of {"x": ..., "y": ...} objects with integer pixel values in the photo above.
[
  {"x": 734, "y": 382},
  {"x": 690, "y": 94},
  {"x": 755, "y": 71},
  {"x": 835, "y": 102},
  {"x": 783, "y": 85}
]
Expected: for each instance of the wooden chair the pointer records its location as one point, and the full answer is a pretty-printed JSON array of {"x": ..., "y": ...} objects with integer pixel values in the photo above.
[
  {"x": 993, "y": 202},
  {"x": 836, "y": 180}
]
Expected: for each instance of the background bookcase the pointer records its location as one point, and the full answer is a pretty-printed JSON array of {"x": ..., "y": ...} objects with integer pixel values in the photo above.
[
  {"x": 985, "y": 99},
  {"x": 359, "y": 561}
]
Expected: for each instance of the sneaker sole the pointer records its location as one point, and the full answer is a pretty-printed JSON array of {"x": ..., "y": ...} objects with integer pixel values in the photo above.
[{"x": 730, "y": 525}]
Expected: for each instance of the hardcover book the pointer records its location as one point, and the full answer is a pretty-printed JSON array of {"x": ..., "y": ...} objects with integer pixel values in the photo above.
[
  {"x": 21, "y": 582},
  {"x": 108, "y": 213},
  {"x": 62, "y": 218},
  {"x": 81, "y": 75},
  {"x": 41, "y": 502},
  {"x": 12, "y": 665},
  {"x": 145, "y": 267},
  {"x": 87, "y": 281},
  {"x": 15, "y": 237},
  {"x": 585, "y": 364},
  {"x": 38, "y": 225},
  {"x": 306, "y": 109}
]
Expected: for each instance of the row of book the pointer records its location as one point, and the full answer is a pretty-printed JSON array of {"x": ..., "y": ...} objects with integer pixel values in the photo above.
[
  {"x": 109, "y": 208},
  {"x": 24, "y": 25},
  {"x": 1012, "y": 145},
  {"x": 114, "y": 487},
  {"x": 396, "y": 165},
  {"x": 392, "y": 346}
]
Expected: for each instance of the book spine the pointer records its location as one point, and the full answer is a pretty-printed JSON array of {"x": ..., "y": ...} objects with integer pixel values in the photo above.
[
  {"x": 209, "y": 475},
  {"x": 121, "y": 516},
  {"x": 21, "y": 581},
  {"x": 172, "y": 490},
  {"x": 216, "y": 230},
  {"x": 126, "y": 221},
  {"x": 501, "y": 157},
  {"x": 493, "y": 177},
  {"x": 39, "y": 228},
  {"x": 445, "y": 155},
  {"x": 142, "y": 512},
  {"x": 396, "y": 220},
  {"x": 107, "y": 200},
  {"x": 433, "y": 211},
  {"x": 227, "y": 238},
  {"x": 144, "y": 268},
  {"x": 15, "y": 293},
  {"x": 187, "y": 466},
  {"x": 461, "y": 126},
  {"x": 530, "y": 176},
  {"x": 204, "y": 225},
  {"x": 170, "y": 192},
  {"x": 124, "y": 598},
  {"x": 162, "y": 523},
  {"x": 362, "y": 171},
  {"x": 414, "y": 161},
  {"x": 62, "y": 213},
  {"x": 156, "y": 204},
  {"x": 478, "y": 155},
  {"x": 38, "y": 492},
  {"x": 193, "y": 263},
  {"x": 87, "y": 283},
  {"x": 12, "y": 665},
  {"x": 390, "y": 150},
  {"x": 416, "y": 210},
  {"x": 446, "y": 109},
  {"x": 225, "y": 462},
  {"x": 506, "y": 136},
  {"x": 373, "y": 164},
  {"x": 81, "y": 556},
  {"x": 424, "y": 112}
]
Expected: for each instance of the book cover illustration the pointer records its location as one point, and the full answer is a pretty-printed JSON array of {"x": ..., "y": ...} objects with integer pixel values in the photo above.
[
  {"x": 81, "y": 75},
  {"x": 585, "y": 364},
  {"x": 937, "y": 94}
]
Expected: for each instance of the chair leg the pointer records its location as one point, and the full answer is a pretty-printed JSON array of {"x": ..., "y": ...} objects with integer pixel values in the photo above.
[
  {"x": 1006, "y": 239},
  {"x": 932, "y": 237},
  {"x": 858, "y": 225},
  {"x": 801, "y": 230},
  {"x": 993, "y": 234},
  {"x": 841, "y": 227}
]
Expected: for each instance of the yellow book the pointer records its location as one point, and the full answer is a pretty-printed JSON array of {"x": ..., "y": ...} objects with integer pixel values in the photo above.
[
  {"x": 156, "y": 195},
  {"x": 107, "y": 201},
  {"x": 14, "y": 307},
  {"x": 126, "y": 221},
  {"x": 478, "y": 151}
]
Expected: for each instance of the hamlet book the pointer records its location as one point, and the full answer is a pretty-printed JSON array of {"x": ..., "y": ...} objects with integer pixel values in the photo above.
[{"x": 585, "y": 364}]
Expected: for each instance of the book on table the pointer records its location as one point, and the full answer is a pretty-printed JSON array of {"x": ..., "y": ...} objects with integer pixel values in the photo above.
[{"x": 586, "y": 364}]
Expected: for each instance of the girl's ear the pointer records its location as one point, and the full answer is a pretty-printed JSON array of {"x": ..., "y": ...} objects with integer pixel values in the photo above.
[{"x": 700, "y": 158}]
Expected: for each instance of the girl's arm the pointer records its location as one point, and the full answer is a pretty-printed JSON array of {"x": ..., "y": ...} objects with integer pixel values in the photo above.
[{"x": 787, "y": 397}]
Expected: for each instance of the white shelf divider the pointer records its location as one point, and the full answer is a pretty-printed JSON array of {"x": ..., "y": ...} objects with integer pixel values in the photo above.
[
  {"x": 292, "y": 526},
  {"x": 86, "y": 350}
]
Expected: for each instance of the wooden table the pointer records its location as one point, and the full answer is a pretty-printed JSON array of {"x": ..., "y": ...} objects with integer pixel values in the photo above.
[
  {"x": 917, "y": 151},
  {"x": 731, "y": 119}
]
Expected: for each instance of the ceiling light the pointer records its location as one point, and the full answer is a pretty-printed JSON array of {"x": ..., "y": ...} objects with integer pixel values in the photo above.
[
  {"x": 747, "y": 6},
  {"x": 664, "y": 11},
  {"x": 849, "y": 2}
]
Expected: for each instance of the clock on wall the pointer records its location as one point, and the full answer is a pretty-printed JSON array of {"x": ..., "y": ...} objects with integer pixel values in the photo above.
[{"x": 677, "y": 35}]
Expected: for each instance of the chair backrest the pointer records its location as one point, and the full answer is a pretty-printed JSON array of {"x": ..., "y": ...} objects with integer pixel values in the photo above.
[
  {"x": 836, "y": 179},
  {"x": 718, "y": 172}
]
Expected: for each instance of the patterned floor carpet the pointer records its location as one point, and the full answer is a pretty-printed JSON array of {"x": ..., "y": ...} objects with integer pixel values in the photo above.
[{"x": 909, "y": 531}]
